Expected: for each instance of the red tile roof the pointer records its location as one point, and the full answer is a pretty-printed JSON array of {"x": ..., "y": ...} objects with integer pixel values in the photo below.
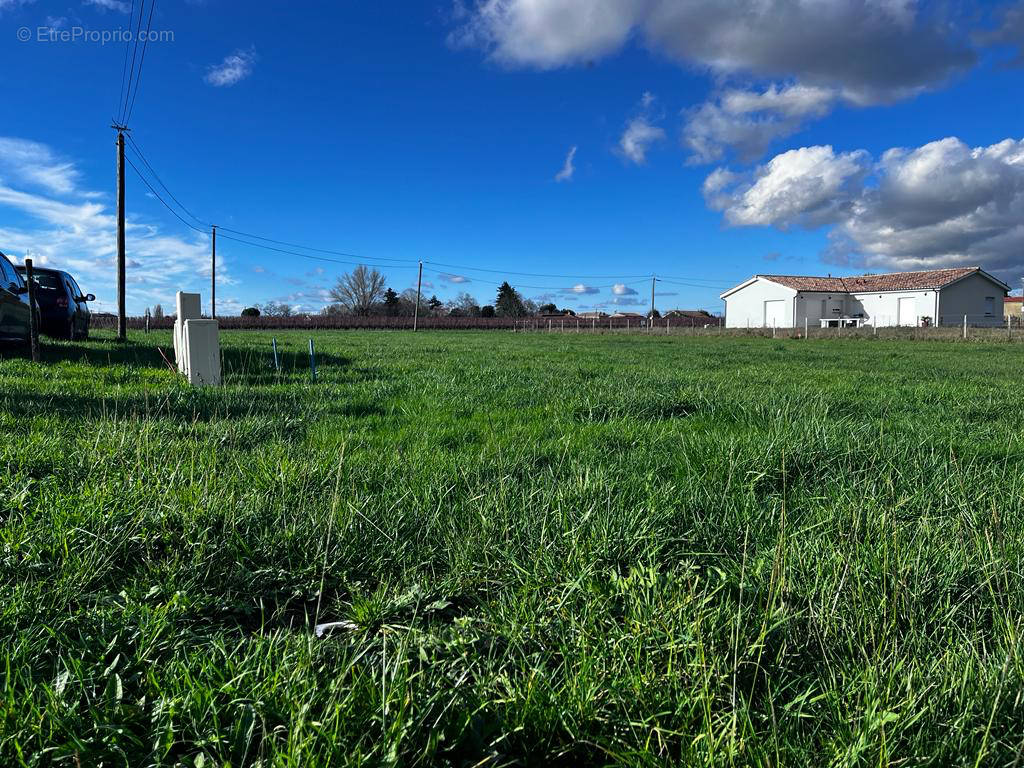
[
  {"x": 1013, "y": 299},
  {"x": 895, "y": 281},
  {"x": 931, "y": 279}
]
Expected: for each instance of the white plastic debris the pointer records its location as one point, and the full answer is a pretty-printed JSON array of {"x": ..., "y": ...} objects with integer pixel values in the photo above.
[
  {"x": 188, "y": 308},
  {"x": 323, "y": 629},
  {"x": 201, "y": 353}
]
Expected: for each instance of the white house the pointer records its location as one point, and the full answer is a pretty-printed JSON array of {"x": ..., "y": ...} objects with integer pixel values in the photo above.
[{"x": 934, "y": 297}]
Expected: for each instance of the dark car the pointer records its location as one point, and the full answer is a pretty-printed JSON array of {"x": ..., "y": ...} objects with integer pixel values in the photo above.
[
  {"x": 14, "y": 311},
  {"x": 63, "y": 308}
]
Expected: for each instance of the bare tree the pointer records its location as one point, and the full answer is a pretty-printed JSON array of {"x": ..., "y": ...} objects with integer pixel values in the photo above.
[
  {"x": 273, "y": 309},
  {"x": 359, "y": 290}
]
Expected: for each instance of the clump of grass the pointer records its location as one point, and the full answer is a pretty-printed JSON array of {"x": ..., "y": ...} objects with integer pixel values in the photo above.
[{"x": 575, "y": 550}]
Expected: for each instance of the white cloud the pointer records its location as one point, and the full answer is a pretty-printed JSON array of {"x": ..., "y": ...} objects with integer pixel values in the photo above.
[
  {"x": 637, "y": 139},
  {"x": 119, "y": 6},
  {"x": 584, "y": 290},
  {"x": 35, "y": 164},
  {"x": 621, "y": 289},
  {"x": 548, "y": 33},
  {"x": 804, "y": 187},
  {"x": 940, "y": 204},
  {"x": 748, "y": 122},
  {"x": 456, "y": 279},
  {"x": 568, "y": 169},
  {"x": 49, "y": 216},
  {"x": 235, "y": 68},
  {"x": 874, "y": 50}
]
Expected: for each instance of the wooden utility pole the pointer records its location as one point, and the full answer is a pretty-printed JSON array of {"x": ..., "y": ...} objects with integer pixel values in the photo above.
[
  {"x": 213, "y": 274},
  {"x": 416, "y": 311},
  {"x": 33, "y": 326},
  {"x": 122, "y": 321},
  {"x": 653, "y": 281}
]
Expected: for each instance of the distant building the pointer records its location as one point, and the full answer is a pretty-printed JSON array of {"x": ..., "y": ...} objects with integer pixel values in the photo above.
[
  {"x": 629, "y": 316},
  {"x": 591, "y": 315},
  {"x": 933, "y": 297},
  {"x": 1013, "y": 306}
]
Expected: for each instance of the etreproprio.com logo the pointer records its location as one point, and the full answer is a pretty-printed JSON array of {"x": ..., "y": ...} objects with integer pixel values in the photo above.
[{"x": 93, "y": 36}]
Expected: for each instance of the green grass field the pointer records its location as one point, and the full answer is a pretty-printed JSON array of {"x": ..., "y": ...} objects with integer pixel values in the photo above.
[{"x": 548, "y": 549}]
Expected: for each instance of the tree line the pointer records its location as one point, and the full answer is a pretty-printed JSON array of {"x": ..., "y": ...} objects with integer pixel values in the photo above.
[{"x": 364, "y": 292}]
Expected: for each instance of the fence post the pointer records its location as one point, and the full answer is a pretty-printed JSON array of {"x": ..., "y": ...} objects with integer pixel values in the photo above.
[
  {"x": 667, "y": 321},
  {"x": 277, "y": 362},
  {"x": 1009, "y": 334},
  {"x": 33, "y": 329},
  {"x": 965, "y": 326},
  {"x": 147, "y": 319},
  {"x": 805, "y": 328}
]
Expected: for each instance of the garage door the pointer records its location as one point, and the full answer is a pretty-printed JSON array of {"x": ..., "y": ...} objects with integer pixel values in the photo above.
[
  {"x": 906, "y": 311},
  {"x": 775, "y": 314}
]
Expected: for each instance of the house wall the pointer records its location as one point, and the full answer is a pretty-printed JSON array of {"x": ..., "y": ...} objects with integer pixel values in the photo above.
[
  {"x": 745, "y": 307},
  {"x": 809, "y": 306},
  {"x": 967, "y": 297},
  {"x": 883, "y": 309},
  {"x": 1013, "y": 309}
]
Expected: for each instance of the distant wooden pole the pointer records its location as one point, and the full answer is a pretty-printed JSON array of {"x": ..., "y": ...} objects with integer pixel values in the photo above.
[
  {"x": 416, "y": 311},
  {"x": 213, "y": 274},
  {"x": 651, "y": 324},
  {"x": 33, "y": 328}
]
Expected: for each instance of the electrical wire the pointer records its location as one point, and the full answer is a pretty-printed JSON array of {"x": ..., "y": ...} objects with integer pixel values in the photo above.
[
  {"x": 157, "y": 196},
  {"x": 315, "y": 250},
  {"x": 589, "y": 288},
  {"x": 306, "y": 255},
  {"x": 135, "y": 50},
  {"x": 138, "y": 150},
  {"x": 536, "y": 274},
  {"x": 398, "y": 263},
  {"x": 124, "y": 65},
  {"x": 145, "y": 45}
]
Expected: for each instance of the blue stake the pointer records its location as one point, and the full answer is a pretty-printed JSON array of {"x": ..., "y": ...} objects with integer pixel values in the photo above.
[
  {"x": 312, "y": 360},
  {"x": 277, "y": 364}
]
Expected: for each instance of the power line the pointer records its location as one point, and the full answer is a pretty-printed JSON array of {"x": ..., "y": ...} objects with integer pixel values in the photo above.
[
  {"x": 157, "y": 196},
  {"x": 145, "y": 45},
  {"x": 220, "y": 232},
  {"x": 544, "y": 287},
  {"x": 135, "y": 51},
  {"x": 310, "y": 248},
  {"x": 135, "y": 148},
  {"x": 397, "y": 263},
  {"x": 124, "y": 65},
  {"x": 536, "y": 274}
]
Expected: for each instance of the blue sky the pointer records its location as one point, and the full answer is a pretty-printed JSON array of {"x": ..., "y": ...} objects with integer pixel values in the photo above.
[{"x": 708, "y": 141}]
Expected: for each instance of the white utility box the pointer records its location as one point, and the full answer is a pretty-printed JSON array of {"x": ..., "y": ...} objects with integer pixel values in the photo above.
[
  {"x": 201, "y": 353},
  {"x": 189, "y": 308}
]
